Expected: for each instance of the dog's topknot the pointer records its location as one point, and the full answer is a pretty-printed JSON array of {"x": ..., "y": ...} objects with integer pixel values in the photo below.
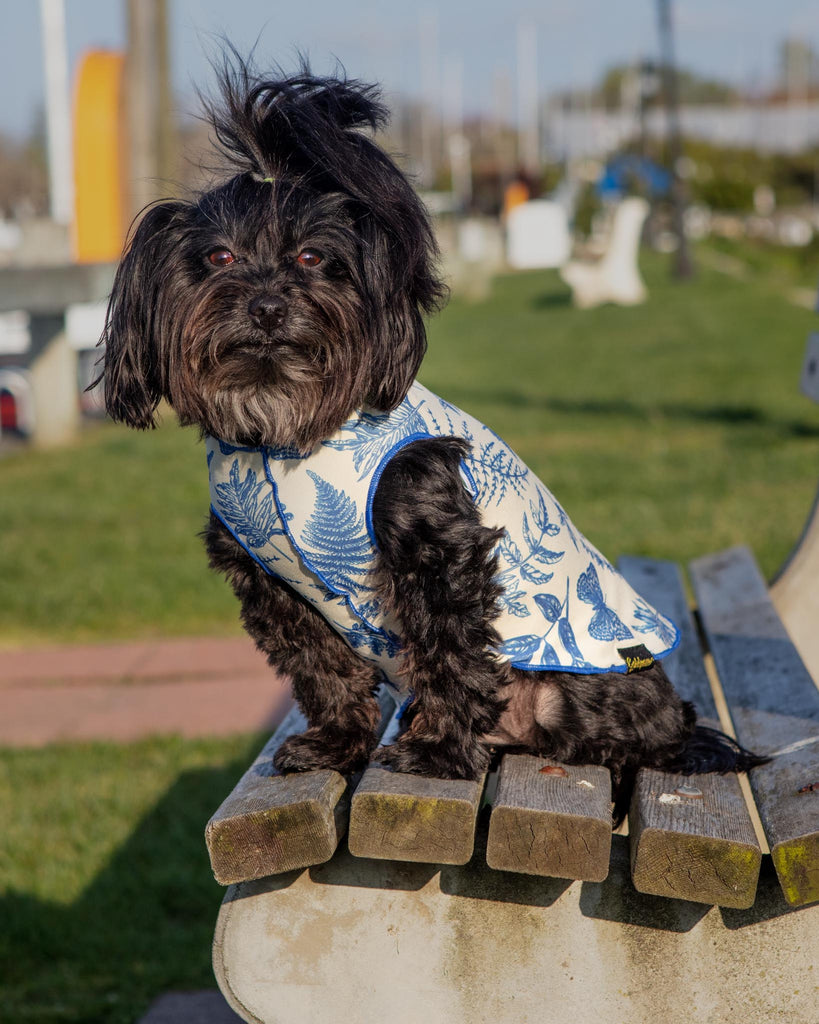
[{"x": 303, "y": 127}]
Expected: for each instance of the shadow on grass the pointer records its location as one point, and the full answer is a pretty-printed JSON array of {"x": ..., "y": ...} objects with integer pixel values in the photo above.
[
  {"x": 143, "y": 926},
  {"x": 557, "y": 299},
  {"x": 735, "y": 415}
]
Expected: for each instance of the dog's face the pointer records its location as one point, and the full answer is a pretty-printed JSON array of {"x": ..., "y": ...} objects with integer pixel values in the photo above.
[{"x": 271, "y": 307}]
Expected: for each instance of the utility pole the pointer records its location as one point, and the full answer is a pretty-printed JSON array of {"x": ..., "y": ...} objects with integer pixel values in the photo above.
[
  {"x": 528, "y": 112},
  {"x": 459, "y": 150},
  {"x": 431, "y": 95},
  {"x": 58, "y": 113},
  {"x": 682, "y": 268},
  {"x": 148, "y": 102}
]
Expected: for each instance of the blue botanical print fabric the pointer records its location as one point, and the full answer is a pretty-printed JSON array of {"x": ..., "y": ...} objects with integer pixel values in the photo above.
[{"x": 308, "y": 520}]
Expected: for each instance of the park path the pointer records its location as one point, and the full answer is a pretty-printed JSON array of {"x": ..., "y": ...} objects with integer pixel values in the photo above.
[{"x": 123, "y": 692}]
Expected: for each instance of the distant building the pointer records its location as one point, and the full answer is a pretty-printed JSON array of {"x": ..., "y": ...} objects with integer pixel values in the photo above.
[{"x": 594, "y": 132}]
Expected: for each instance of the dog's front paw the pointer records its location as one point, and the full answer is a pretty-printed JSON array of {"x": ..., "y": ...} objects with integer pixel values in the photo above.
[
  {"x": 314, "y": 749},
  {"x": 435, "y": 760}
]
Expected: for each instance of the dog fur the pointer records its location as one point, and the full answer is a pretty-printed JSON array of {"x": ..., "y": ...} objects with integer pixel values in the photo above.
[{"x": 220, "y": 307}]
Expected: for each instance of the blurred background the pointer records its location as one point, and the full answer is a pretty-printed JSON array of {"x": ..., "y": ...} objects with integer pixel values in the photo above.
[{"x": 626, "y": 198}]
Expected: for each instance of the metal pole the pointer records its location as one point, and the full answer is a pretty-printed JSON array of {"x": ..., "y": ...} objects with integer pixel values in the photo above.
[
  {"x": 148, "y": 102},
  {"x": 528, "y": 114},
  {"x": 166, "y": 127},
  {"x": 683, "y": 267},
  {"x": 58, "y": 111},
  {"x": 431, "y": 95}
]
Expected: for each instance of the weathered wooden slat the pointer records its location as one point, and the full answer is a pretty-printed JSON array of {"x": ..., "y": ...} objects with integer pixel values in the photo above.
[
  {"x": 271, "y": 822},
  {"x": 555, "y": 823},
  {"x": 661, "y": 584},
  {"x": 397, "y": 816},
  {"x": 691, "y": 837},
  {"x": 774, "y": 705}
]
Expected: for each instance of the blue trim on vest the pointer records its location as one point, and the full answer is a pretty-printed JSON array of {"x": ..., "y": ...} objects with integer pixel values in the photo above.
[
  {"x": 376, "y": 478},
  {"x": 382, "y": 465},
  {"x": 576, "y": 670},
  {"x": 282, "y": 454},
  {"x": 470, "y": 480},
  {"x": 228, "y": 448}
]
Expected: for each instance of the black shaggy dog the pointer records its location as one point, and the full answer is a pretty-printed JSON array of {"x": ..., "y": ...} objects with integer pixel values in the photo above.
[{"x": 281, "y": 312}]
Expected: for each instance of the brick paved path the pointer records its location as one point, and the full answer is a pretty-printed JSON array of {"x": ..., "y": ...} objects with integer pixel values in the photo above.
[{"x": 194, "y": 687}]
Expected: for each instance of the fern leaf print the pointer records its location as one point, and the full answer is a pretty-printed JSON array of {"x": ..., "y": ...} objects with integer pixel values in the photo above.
[
  {"x": 373, "y": 434},
  {"x": 247, "y": 507},
  {"x": 496, "y": 470},
  {"x": 335, "y": 539}
]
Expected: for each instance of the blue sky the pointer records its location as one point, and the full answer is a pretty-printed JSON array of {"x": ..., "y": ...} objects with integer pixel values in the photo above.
[{"x": 577, "y": 39}]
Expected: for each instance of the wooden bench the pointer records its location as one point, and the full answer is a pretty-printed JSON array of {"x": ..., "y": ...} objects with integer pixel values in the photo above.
[
  {"x": 691, "y": 838},
  {"x": 431, "y": 864},
  {"x": 510, "y": 900}
]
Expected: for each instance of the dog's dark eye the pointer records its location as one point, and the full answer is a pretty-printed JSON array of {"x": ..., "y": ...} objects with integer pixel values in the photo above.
[
  {"x": 221, "y": 257},
  {"x": 309, "y": 258}
]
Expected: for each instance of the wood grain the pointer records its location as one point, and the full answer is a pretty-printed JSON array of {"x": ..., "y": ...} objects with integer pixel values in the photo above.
[
  {"x": 397, "y": 816},
  {"x": 700, "y": 848},
  {"x": 272, "y": 822},
  {"x": 774, "y": 705},
  {"x": 557, "y": 825}
]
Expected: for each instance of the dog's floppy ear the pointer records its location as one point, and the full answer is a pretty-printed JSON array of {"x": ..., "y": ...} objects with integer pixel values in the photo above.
[
  {"x": 132, "y": 336},
  {"x": 402, "y": 284},
  {"x": 395, "y": 327}
]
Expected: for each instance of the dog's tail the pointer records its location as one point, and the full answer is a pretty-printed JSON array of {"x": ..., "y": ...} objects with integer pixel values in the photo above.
[
  {"x": 710, "y": 750},
  {"x": 707, "y": 750}
]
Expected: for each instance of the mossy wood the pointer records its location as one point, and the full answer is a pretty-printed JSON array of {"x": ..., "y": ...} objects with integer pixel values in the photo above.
[
  {"x": 774, "y": 705},
  {"x": 396, "y": 816},
  {"x": 550, "y": 819},
  {"x": 691, "y": 837},
  {"x": 271, "y": 822}
]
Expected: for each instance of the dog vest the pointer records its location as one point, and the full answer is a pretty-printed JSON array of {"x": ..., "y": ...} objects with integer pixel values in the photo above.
[{"x": 307, "y": 519}]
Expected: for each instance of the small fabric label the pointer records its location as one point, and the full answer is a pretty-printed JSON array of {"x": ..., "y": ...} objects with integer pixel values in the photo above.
[{"x": 636, "y": 658}]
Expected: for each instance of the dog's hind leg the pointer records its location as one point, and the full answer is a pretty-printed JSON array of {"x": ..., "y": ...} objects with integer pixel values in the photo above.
[
  {"x": 435, "y": 573},
  {"x": 333, "y": 686}
]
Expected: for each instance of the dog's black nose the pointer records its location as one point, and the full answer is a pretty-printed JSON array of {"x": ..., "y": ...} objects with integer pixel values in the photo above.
[{"x": 267, "y": 311}]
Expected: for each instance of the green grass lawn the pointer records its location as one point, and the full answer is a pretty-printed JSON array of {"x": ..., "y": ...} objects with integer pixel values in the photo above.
[
  {"x": 670, "y": 429},
  {"x": 106, "y": 894}
]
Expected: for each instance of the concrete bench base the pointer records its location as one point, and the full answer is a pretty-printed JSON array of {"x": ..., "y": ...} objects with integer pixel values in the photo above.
[{"x": 366, "y": 940}]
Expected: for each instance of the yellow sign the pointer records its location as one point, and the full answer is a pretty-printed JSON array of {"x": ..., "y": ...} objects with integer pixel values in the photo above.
[{"x": 100, "y": 220}]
